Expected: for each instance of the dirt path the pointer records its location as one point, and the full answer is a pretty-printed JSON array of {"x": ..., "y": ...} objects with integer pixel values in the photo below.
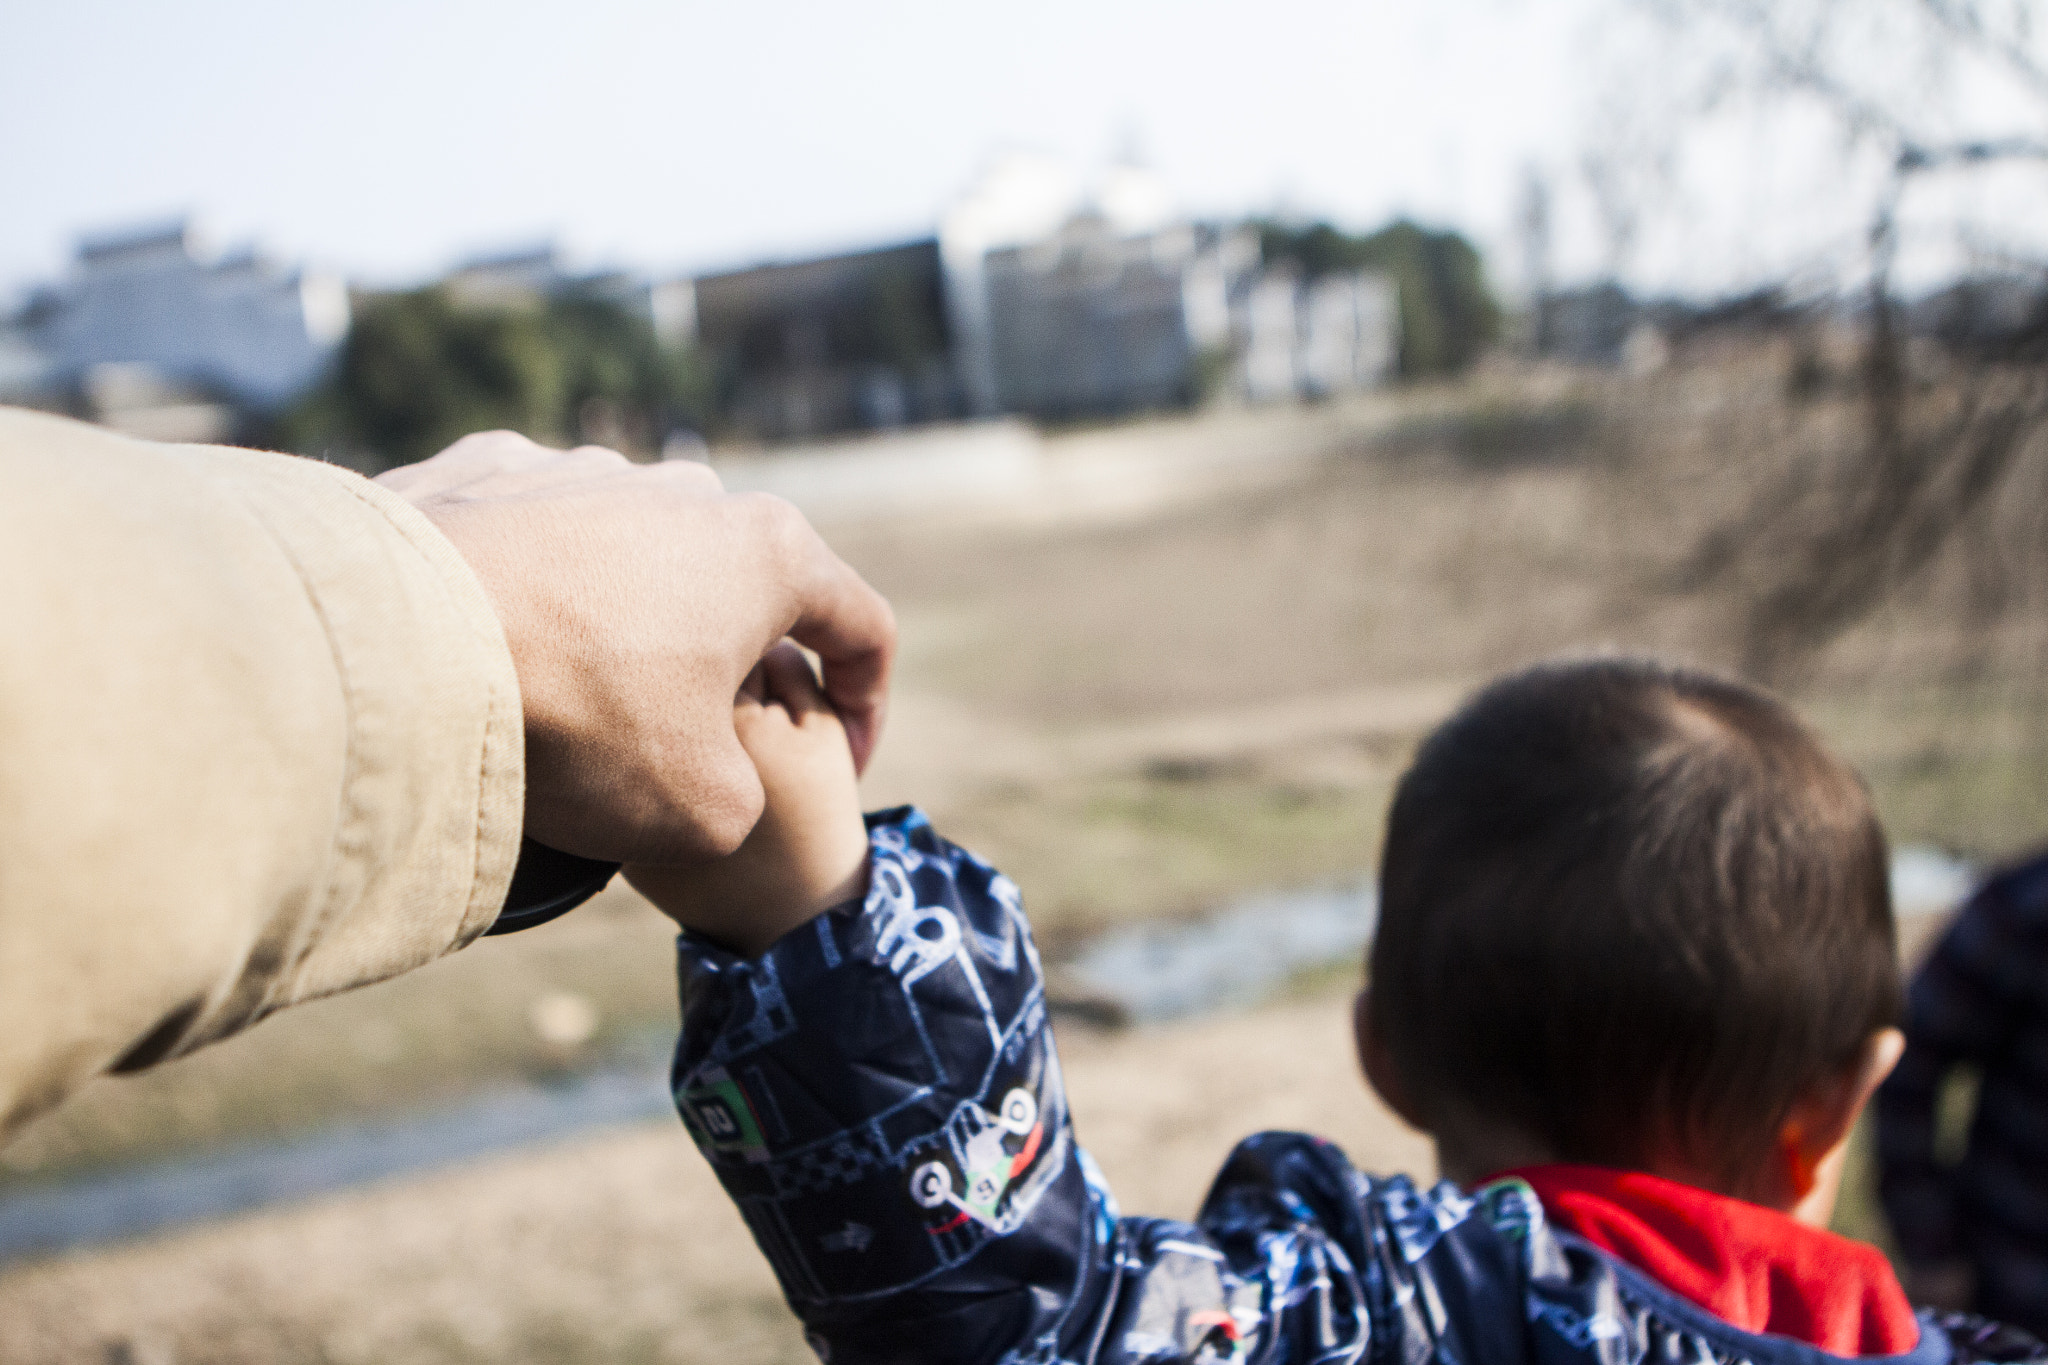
[{"x": 620, "y": 1247}]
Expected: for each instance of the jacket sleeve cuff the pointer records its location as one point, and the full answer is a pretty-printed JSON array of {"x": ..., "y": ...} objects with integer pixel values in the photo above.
[{"x": 428, "y": 827}]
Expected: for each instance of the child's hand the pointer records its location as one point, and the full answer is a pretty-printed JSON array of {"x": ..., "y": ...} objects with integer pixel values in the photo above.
[{"x": 809, "y": 851}]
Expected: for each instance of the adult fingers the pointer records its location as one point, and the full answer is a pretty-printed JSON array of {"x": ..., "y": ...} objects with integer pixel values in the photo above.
[
  {"x": 851, "y": 629},
  {"x": 477, "y": 456},
  {"x": 500, "y": 463},
  {"x": 855, "y": 640},
  {"x": 691, "y": 476},
  {"x": 790, "y": 680}
]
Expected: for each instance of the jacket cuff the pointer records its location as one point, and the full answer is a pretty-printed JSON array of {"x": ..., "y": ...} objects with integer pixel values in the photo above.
[{"x": 428, "y": 829}]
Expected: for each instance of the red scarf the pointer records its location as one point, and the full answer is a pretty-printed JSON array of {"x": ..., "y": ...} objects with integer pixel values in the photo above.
[{"x": 1752, "y": 1267}]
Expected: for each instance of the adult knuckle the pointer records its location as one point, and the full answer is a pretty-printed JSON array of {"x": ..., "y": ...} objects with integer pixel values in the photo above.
[
  {"x": 692, "y": 476},
  {"x": 596, "y": 456},
  {"x": 497, "y": 444},
  {"x": 776, "y": 524},
  {"x": 485, "y": 453}
]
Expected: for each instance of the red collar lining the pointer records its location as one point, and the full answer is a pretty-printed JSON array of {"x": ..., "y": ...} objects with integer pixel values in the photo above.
[{"x": 1754, "y": 1268}]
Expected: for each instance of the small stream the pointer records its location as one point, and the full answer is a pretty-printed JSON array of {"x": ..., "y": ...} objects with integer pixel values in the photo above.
[
  {"x": 110, "y": 1205},
  {"x": 1237, "y": 957}
]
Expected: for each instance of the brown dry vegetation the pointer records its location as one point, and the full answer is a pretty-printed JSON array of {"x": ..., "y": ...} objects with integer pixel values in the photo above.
[{"x": 1140, "y": 716}]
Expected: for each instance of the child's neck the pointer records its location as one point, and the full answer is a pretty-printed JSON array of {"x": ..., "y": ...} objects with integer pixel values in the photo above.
[
  {"x": 1479, "y": 1157},
  {"x": 1475, "y": 1159}
]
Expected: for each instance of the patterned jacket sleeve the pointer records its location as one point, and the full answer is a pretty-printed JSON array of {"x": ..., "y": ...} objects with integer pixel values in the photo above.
[
  {"x": 881, "y": 1096},
  {"x": 1961, "y": 1009}
]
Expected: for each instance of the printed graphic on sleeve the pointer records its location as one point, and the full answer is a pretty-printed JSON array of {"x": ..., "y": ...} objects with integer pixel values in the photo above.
[
  {"x": 919, "y": 1153},
  {"x": 720, "y": 1119},
  {"x": 983, "y": 1154}
]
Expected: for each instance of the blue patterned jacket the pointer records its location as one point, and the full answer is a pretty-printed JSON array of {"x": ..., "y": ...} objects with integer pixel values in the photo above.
[{"x": 881, "y": 1097}]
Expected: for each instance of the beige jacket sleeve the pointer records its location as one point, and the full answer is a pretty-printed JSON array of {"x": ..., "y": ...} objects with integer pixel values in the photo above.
[{"x": 260, "y": 741}]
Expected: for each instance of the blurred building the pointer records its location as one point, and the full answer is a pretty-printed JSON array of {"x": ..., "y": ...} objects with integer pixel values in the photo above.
[
  {"x": 1021, "y": 197},
  {"x": 1317, "y": 338},
  {"x": 839, "y": 343},
  {"x": 1589, "y": 325},
  {"x": 184, "y": 324},
  {"x": 1036, "y": 299},
  {"x": 28, "y": 377},
  {"x": 523, "y": 278},
  {"x": 531, "y": 276},
  {"x": 1091, "y": 321},
  {"x": 1070, "y": 303}
]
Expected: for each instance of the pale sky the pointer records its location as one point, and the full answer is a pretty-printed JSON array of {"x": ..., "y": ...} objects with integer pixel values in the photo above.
[{"x": 389, "y": 139}]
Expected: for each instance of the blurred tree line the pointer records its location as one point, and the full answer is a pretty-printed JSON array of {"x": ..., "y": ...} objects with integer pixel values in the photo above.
[
  {"x": 1448, "y": 315},
  {"x": 420, "y": 369}
]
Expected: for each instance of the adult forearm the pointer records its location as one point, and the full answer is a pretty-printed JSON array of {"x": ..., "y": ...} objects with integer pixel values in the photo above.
[{"x": 260, "y": 741}]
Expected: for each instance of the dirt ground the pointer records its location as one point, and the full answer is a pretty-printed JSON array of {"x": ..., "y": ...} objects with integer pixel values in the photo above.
[
  {"x": 1137, "y": 714},
  {"x": 620, "y": 1247}
]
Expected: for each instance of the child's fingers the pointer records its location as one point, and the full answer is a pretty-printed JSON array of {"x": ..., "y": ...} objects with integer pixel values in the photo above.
[{"x": 791, "y": 682}]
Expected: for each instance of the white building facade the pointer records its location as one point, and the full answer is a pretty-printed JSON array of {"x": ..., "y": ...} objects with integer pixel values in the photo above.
[
  {"x": 238, "y": 326},
  {"x": 1065, "y": 303}
]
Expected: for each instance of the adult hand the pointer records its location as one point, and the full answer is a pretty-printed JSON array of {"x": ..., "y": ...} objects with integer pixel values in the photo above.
[{"x": 635, "y": 599}]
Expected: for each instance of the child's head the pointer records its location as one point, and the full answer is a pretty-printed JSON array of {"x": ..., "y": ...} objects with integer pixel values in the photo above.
[{"x": 1633, "y": 915}]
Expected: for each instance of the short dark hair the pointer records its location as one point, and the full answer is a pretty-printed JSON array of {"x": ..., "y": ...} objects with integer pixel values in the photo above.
[{"x": 1632, "y": 910}]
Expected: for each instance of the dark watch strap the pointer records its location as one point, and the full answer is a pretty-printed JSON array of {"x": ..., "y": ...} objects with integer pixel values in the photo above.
[{"x": 548, "y": 883}]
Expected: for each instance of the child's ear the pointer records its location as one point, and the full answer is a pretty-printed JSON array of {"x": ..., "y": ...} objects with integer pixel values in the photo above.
[
  {"x": 1814, "y": 1138},
  {"x": 1378, "y": 1062}
]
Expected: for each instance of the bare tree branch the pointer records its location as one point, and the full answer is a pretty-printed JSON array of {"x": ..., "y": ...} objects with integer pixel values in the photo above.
[
  {"x": 1844, "y": 528},
  {"x": 1913, "y": 157},
  {"x": 1965, "y": 20}
]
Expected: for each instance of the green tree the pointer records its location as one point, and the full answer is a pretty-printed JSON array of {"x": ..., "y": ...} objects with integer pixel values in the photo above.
[
  {"x": 419, "y": 370},
  {"x": 1448, "y": 315},
  {"x": 620, "y": 385}
]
